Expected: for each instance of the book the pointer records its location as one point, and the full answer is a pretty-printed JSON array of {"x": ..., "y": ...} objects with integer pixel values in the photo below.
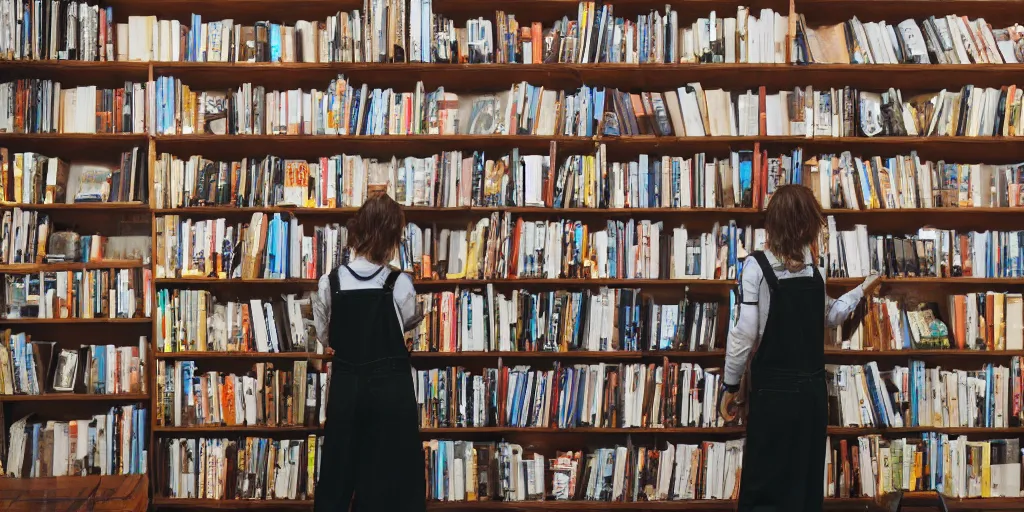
[
  {"x": 949, "y": 39},
  {"x": 196, "y": 320},
  {"x": 609, "y": 319},
  {"x": 916, "y": 396},
  {"x": 955, "y": 466},
  {"x": 244, "y": 468},
  {"x": 30, "y": 367},
  {"x": 81, "y": 109},
  {"x": 488, "y": 471},
  {"x": 266, "y": 395},
  {"x": 111, "y": 443},
  {"x": 113, "y": 293},
  {"x": 603, "y": 395}
]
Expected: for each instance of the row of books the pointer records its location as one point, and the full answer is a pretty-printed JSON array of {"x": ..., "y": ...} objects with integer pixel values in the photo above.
[
  {"x": 689, "y": 111},
  {"x": 394, "y": 31},
  {"x": 451, "y": 178},
  {"x": 114, "y": 293},
  {"x": 30, "y": 237},
  {"x": 971, "y": 321},
  {"x": 458, "y": 179},
  {"x": 32, "y": 178},
  {"x": 485, "y": 471},
  {"x": 275, "y": 247},
  {"x": 928, "y": 253},
  {"x": 904, "y": 181},
  {"x": 949, "y": 39},
  {"x": 956, "y": 467},
  {"x": 868, "y": 466},
  {"x": 571, "y": 396},
  {"x": 34, "y": 105},
  {"x": 344, "y": 109},
  {"x": 610, "y": 319},
  {"x": 195, "y": 320},
  {"x": 30, "y": 367},
  {"x": 65, "y": 30},
  {"x": 266, "y": 395},
  {"x": 269, "y": 246},
  {"x": 250, "y": 468},
  {"x": 498, "y": 247},
  {"x": 113, "y": 443},
  {"x": 915, "y": 396}
]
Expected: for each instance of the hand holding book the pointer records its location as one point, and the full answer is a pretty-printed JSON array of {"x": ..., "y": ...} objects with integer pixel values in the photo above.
[
  {"x": 871, "y": 283},
  {"x": 729, "y": 404}
]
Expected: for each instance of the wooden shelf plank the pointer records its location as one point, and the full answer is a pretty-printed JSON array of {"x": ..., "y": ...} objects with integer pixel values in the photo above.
[
  {"x": 719, "y": 505},
  {"x": 90, "y": 207},
  {"x": 919, "y": 353},
  {"x": 76, "y": 397},
  {"x": 832, "y": 353},
  {"x": 726, "y": 284},
  {"x": 988, "y": 149},
  {"x": 31, "y": 268},
  {"x": 481, "y": 77},
  {"x": 248, "y": 11},
  {"x": 201, "y": 281},
  {"x": 1008, "y": 149},
  {"x": 74, "y": 321},
  {"x": 709, "y": 431},
  {"x": 476, "y": 210},
  {"x": 239, "y": 355},
  {"x": 240, "y": 429}
]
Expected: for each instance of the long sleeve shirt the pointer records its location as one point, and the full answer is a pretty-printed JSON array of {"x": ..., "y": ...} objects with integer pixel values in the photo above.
[
  {"x": 404, "y": 292},
  {"x": 754, "y": 302}
]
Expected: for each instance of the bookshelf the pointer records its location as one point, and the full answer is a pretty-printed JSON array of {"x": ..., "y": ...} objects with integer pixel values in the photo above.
[{"x": 491, "y": 77}]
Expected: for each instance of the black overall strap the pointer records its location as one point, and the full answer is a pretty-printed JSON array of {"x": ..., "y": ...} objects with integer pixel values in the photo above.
[
  {"x": 389, "y": 283},
  {"x": 335, "y": 281},
  {"x": 362, "y": 277},
  {"x": 766, "y": 270}
]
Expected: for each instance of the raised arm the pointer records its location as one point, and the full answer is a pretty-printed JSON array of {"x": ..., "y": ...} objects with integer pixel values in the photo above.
[{"x": 839, "y": 310}]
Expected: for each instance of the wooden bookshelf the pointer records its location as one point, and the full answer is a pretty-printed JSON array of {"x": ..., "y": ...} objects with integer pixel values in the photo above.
[
  {"x": 77, "y": 397},
  {"x": 30, "y": 268},
  {"x": 494, "y": 77},
  {"x": 861, "y": 504},
  {"x": 455, "y": 432},
  {"x": 75, "y": 321}
]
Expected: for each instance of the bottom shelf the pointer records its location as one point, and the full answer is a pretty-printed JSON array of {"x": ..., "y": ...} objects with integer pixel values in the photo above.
[{"x": 863, "y": 504}]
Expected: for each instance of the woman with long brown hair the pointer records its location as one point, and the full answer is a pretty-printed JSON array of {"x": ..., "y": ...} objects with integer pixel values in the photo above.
[
  {"x": 778, "y": 340},
  {"x": 372, "y": 456}
]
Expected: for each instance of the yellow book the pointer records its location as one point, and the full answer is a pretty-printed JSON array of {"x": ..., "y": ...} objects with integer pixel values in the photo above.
[
  {"x": 471, "y": 475},
  {"x": 986, "y": 469},
  {"x": 310, "y": 465},
  {"x": 19, "y": 163},
  {"x": 202, "y": 323}
]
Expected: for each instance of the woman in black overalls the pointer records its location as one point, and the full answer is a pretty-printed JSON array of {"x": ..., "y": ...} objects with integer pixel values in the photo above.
[
  {"x": 787, "y": 415},
  {"x": 372, "y": 458}
]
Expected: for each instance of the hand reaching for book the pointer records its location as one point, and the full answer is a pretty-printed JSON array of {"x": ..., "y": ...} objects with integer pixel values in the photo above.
[{"x": 871, "y": 283}]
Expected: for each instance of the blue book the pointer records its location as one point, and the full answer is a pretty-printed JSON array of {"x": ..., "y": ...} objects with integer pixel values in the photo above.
[
  {"x": 275, "y": 42},
  {"x": 36, "y": 430}
]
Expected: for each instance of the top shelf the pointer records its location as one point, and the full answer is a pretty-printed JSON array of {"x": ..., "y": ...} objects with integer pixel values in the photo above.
[
  {"x": 549, "y": 10},
  {"x": 243, "y": 11}
]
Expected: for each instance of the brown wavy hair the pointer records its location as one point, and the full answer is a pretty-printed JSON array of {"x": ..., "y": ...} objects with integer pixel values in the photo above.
[
  {"x": 793, "y": 221},
  {"x": 376, "y": 230}
]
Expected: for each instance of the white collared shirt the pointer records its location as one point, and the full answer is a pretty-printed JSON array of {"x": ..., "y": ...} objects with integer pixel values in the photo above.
[
  {"x": 754, "y": 302},
  {"x": 405, "y": 294}
]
